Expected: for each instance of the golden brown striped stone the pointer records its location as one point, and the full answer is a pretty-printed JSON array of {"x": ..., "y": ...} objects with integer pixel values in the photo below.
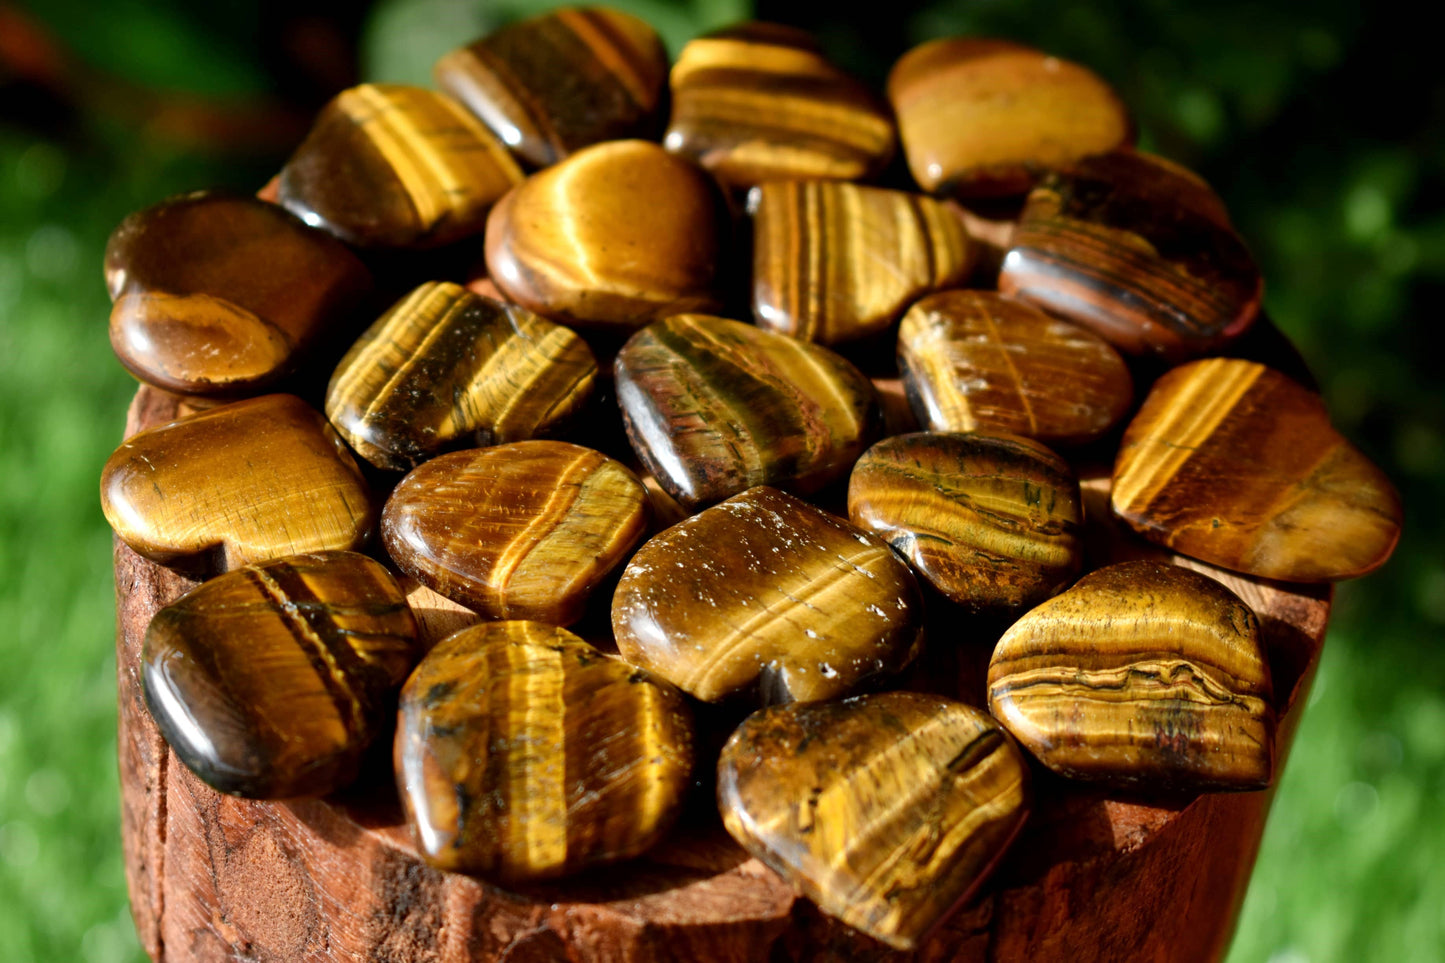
[
  {"x": 990, "y": 520},
  {"x": 767, "y": 597},
  {"x": 755, "y": 103},
  {"x": 236, "y": 484},
  {"x": 886, "y": 810},
  {"x": 1233, "y": 463},
  {"x": 552, "y": 84},
  {"x": 270, "y": 681},
  {"x": 387, "y": 165},
  {"x": 1143, "y": 674},
  {"x": 978, "y": 360},
  {"x": 835, "y": 262},
  {"x": 524, "y": 753},
  {"x": 614, "y": 236},
  {"x": 714, "y": 407},
  {"x": 524, "y": 530},
  {"x": 445, "y": 367}
]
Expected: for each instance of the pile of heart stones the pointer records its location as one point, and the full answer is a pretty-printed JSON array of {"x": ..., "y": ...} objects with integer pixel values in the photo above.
[{"x": 761, "y": 525}]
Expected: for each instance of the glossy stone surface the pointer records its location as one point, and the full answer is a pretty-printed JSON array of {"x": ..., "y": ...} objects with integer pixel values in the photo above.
[
  {"x": 444, "y": 367},
  {"x": 990, "y": 520},
  {"x": 518, "y": 531},
  {"x": 613, "y": 237},
  {"x": 978, "y": 360},
  {"x": 392, "y": 166},
  {"x": 1142, "y": 675},
  {"x": 758, "y": 102},
  {"x": 551, "y": 84},
  {"x": 1233, "y": 463},
  {"x": 524, "y": 753},
  {"x": 220, "y": 294},
  {"x": 271, "y": 681},
  {"x": 236, "y": 484},
  {"x": 981, "y": 117},
  {"x": 834, "y": 262},
  {"x": 887, "y": 810},
  {"x": 766, "y": 597},
  {"x": 714, "y": 407},
  {"x": 1129, "y": 246}
]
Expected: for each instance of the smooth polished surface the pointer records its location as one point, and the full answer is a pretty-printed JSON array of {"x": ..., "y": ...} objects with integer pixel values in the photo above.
[
  {"x": 387, "y": 165},
  {"x": 271, "y": 681},
  {"x": 552, "y": 84},
  {"x": 990, "y": 520},
  {"x": 978, "y": 360},
  {"x": 714, "y": 407},
  {"x": 886, "y": 810},
  {"x": 1233, "y": 463},
  {"x": 240, "y": 483},
  {"x": 834, "y": 262},
  {"x": 767, "y": 597},
  {"x": 518, "y": 531},
  {"x": 524, "y": 753},
  {"x": 445, "y": 367},
  {"x": 1143, "y": 675}
]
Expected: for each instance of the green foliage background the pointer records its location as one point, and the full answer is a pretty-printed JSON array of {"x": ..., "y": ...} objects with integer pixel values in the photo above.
[{"x": 1322, "y": 126}]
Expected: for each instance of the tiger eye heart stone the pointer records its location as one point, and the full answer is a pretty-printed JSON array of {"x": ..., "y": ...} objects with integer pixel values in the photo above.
[
  {"x": 244, "y": 482},
  {"x": 977, "y": 360},
  {"x": 713, "y": 407},
  {"x": 767, "y": 596},
  {"x": 270, "y": 681},
  {"x": 984, "y": 117},
  {"x": 524, "y": 530},
  {"x": 555, "y": 83},
  {"x": 222, "y": 294},
  {"x": 886, "y": 810},
  {"x": 1143, "y": 674},
  {"x": 524, "y": 753},
  {"x": 1233, "y": 463},
  {"x": 1124, "y": 244},
  {"x": 614, "y": 236},
  {"x": 834, "y": 262},
  {"x": 755, "y": 103},
  {"x": 445, "y": 366},
  {"x": 387, "y": 165},
  {"x": 992, "y": 521}
]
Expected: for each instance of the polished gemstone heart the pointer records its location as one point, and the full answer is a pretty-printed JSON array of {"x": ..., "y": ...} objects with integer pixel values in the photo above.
[
  {"x": 990, "y": 520},
  {"x": 445, "y": 367},
  {"x": 271, "y": 681},
  {"x": 552, "y": 84},
  {"x": 387, "y": 165},
  {"x": 757, "y": 102},
  {"x": 835, "y": 262},
  {"x": 981, "y": 117},
  {"x": 219, "y": 294},
  {"x": 886, "y": 810},
  {"x": 1233, "y": 463},
  {"x": 1142, "y": 675},
  {"x": 714, "y": 407},
  {"x": 767, "y": 597},
  {"x": 518, "y": 531},
  {"x": 614, "y": 236},
  {"x": 1132, "y": 248},
  {"x": 978, "y": 360},
  {"x": 239, "y": 483},
  {"x": 524, "y": 753}
]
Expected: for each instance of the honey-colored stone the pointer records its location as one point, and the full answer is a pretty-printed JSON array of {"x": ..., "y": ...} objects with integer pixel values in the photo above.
[
  {"x": 886, "y": 810},
  {"x": 1231, "y": 462},
  {"x": 524, "y": 753},
  {"x": 767, "y": 597},
  {"x": 1143, "y": 675}
]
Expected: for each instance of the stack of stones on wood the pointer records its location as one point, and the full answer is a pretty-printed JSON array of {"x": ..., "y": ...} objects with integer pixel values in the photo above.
[{"x": 687, "y": 385}]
